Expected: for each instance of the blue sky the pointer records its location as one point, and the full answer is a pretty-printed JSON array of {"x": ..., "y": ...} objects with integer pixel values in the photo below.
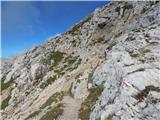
[{"x": 26, "y": 24}]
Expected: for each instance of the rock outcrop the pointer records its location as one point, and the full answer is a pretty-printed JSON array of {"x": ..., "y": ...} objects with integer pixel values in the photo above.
[{"x": 106, "y": 67}]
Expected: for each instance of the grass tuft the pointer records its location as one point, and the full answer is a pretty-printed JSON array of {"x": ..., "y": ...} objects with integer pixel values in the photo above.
[
  {"x": 89, "y": 102},
  {"x": 54, "y": 113},
  {"x": 48, "y": 82},
  {"x": 5, "y": 102},
  {"x": 70, "y": 90},
  {"x": 90, "y": 77},
  {"x": 58, "y": 96},
  {"x": 32, "y": 115}
]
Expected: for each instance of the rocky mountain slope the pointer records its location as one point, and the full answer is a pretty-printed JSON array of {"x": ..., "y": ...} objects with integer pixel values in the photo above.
[{"x": 107, "y": 67}]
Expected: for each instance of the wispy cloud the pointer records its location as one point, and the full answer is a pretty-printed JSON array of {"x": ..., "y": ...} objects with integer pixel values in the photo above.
[{"x": 57, "y": 34}]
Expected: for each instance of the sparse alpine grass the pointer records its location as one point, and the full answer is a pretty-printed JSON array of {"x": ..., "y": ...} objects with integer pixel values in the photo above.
[
  {"x": 89, "y": 102},
  {"x": 53, "y": 113},
  {"x": 56, "y": 97}
]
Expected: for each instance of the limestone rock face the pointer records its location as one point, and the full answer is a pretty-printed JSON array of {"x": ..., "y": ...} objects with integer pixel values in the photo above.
[
  {"x": 38, "y": 71},
  {"x": 106, "y": 67}
]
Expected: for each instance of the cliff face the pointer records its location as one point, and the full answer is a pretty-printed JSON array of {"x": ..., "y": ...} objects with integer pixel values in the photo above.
[{"x": 104, "y": 68}]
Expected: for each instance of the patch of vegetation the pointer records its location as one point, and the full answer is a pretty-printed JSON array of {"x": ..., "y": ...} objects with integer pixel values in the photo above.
[
  {"x": 57, "y": 56},
  {"x": 127, "y": 65},
  {"x": 59, "y": 72},
  {"x": 43, "y": 85},
  {"x": 76, "y": 27},
  {"x": 78, "y": 81},
  {"x": 138, "y": 70},
  {"x": 99, "y": 40},
  {"x": 6, "y": 85},
  {"x": 5, "y": 102},
  {"x": 70, "y": 60},
  {"x": 32, "y": 115},
  {"x": 117, "y": 9},
  {"x": 141, "y": 95},
  {"x": 51, "y": 80},
  {"x": 48, "y": 82},
  {"x": 70, "y": 90},
  {"x": 54, "y": 113},
  {"x": 90, "y": 77},
  {"x": 74, "y": 65},
  {"x": 77, "y": 78},
  {"x": 71, "y": 63},
  {"x": 58, "y": 96},
  {"x": 89, "y": 102},
  {"x": 134, "y": 55}
]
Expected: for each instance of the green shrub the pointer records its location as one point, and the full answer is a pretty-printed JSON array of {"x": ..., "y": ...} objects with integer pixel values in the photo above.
[
  {"x": 89, "y": 102},
  {"x": 32, "y": 115},
  {"x": 51, "y": 80},
  {"x": 5, "y": 102},
  {"x": 54, "y": 113},
  {"x": 58, "y": 96}
]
